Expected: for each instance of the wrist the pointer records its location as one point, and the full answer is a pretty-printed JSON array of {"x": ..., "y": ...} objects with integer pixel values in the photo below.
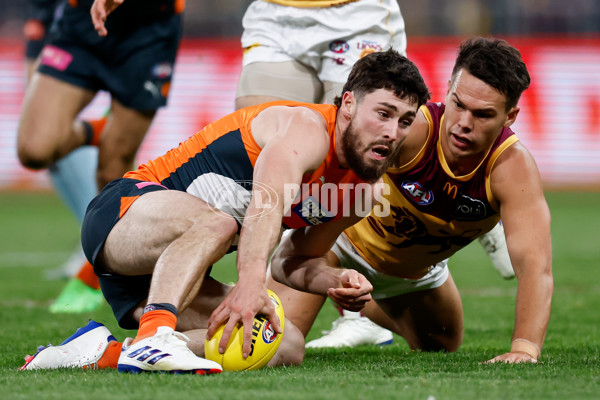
[{"x": 525, "y": 346}]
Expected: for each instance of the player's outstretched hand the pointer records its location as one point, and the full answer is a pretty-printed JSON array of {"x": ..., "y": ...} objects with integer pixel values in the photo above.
[
  {"x": 354, "y": 293},
  {"x": 100, "y": 11},
  {"x": 242, "y": 304},
  {"x": 513, "y": 358}
]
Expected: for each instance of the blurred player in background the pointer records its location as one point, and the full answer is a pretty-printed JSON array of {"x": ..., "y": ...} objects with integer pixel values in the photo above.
[
  {"x": 73, "y": 175},
  {"x": 460, "y": 169},
  {"x": 304, "y": 50},
  {"x": 134, "y": 64}
]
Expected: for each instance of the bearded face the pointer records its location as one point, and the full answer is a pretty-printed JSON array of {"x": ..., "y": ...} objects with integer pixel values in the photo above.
[{"x": 357, "y": 156}]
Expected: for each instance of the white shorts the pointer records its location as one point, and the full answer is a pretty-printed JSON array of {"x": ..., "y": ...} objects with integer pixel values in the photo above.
[
  {"x": 328, "y": 40},
  {"x": 386, "y": 286}
]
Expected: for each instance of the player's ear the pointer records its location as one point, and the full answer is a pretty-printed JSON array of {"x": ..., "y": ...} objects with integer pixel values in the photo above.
[
  {"x": 348, "y": 106},
  {"x": 511, "y": 116},
  {"x": 453, "y": 82}
]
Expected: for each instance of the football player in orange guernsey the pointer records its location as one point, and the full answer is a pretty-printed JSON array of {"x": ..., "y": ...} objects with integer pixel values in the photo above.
[
  {"x": 460, "y": 169},
  {"x": 153, "y": 235}
]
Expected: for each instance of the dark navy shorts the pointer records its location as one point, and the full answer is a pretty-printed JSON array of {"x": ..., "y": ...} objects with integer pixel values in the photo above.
[
  {"x": 123, "y": 294},
  {"x": 134, "y": 63},
  {"x": 105, "y": 210}
]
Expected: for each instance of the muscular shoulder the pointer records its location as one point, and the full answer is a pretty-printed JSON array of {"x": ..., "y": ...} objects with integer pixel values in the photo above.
[
  {"x": 514, "y": 171},
  {"x": 279, "y": 121}
]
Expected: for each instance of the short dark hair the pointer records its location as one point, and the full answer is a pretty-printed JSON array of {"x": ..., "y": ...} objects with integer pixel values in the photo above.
[
  {"x": 496, "y": 63},
  {"x": 386, "y": 70}
]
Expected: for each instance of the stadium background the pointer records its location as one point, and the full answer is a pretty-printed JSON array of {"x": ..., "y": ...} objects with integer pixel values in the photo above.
[{"x": 559, "y": 122}]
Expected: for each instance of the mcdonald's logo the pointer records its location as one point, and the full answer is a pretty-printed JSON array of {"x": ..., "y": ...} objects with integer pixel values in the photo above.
[{"x": 451, "y": 189}]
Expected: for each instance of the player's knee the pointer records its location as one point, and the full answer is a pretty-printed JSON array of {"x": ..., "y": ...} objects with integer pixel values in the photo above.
[
  {"x": 105, "y": 175},
  {"x": 34, "y": 157},
  {"x": 116, "y": 166},
  {"x": 447, "y": 342}
]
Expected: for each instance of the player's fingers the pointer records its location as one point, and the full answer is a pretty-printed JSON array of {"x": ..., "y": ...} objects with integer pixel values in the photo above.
[
  {"x": 350, "y": 303},
  {"x": 351, "y": 292},
  {"x": 366, "y": 285},
  {"x": 269, "y": 311},
  {"x": 247, "y": 345},
  {"x": 274, "y": 319},
  {"x": 363, "y": 285},
  {"x": 227, "y": 333},
  {"x": 98, "y": 19},
  {"x": 353, "y": 281},
  {"x": 354, "y": 298},
  {"x": 102, "y": 31},
  {"x": 217, "y": 318},
  {"x": 350, "y": 279},
  {"x": 512, "y": 358}
]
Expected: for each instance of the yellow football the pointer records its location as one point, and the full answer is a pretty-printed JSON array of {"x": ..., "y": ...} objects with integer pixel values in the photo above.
[{"x": 265, "y": 342}]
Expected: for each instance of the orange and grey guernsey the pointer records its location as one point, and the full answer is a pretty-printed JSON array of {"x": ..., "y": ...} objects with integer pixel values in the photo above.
[
  {"x": 227, "y": 148},
  {"x": 311, "y": 3},
  {"x": 433, "y": 212}
]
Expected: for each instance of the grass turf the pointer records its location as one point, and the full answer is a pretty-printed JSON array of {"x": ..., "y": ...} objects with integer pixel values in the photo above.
[{"x": 38, "y": 233}]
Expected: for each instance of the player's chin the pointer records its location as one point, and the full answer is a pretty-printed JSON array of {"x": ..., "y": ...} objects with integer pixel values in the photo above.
[{"x": 375, "y": 170}]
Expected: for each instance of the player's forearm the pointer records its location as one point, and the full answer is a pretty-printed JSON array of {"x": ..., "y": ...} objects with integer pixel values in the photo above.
[
  {"x": 311, "y": 275},
  {"x": 258, "y": 237},
  {"x": 534, "y": 298}
]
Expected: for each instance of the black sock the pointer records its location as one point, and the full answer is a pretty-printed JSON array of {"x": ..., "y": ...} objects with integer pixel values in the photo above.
[{"x": 161, "y": 306}]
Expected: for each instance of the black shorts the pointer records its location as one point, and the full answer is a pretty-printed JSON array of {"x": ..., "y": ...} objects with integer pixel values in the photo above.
[
  {"x": 33, "y": 48},
  {"x": 123, "y": 294},
  {"x": 134, "y": 63},
  {"x": 105, "y": 210}
]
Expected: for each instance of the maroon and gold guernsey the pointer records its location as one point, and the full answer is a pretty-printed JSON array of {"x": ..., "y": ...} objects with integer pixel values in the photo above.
[{"x": 434, "y": 213}]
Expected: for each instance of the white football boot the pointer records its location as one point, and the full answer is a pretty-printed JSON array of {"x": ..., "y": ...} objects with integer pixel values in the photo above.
[
  {"x": 166, "y": 351},
  {"x": 494, "y": 244},
  {"x": 82, "y": 350},
  {"x": 352, "y": 330}
]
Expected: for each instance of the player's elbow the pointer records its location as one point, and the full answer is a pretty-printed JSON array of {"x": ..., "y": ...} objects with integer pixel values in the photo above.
[
  {"x": 547, "y": 280},
  {"x": 447, "y": 339},
  {"x": 284, "y": 269},
  {"x": 276, "y": 267}
]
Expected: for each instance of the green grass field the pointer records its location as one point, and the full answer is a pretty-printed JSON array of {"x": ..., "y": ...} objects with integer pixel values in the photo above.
[{"x": 37, "y": 233}]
